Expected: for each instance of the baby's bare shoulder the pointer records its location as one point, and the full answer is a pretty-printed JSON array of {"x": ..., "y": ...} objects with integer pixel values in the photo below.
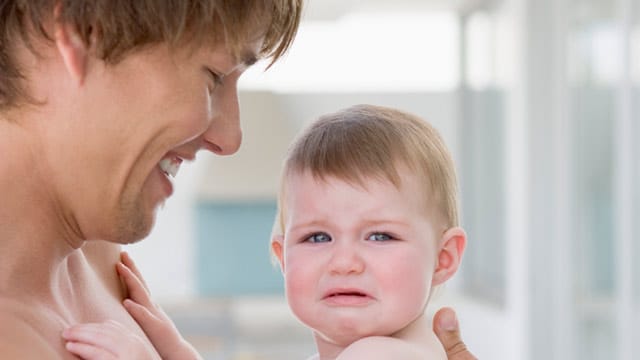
[{"x": 385, "y": 347}]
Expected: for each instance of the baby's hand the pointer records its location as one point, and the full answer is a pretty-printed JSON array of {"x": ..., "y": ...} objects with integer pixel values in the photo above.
[
  {"x": 109, "y": 340},
  {"x": 152, "y": 319}
]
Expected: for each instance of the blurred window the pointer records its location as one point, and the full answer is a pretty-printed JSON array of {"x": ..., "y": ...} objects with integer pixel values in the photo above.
[{"x": 367, "y": 52}]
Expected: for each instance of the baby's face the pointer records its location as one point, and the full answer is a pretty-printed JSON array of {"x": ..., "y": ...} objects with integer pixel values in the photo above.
[{"x": 357, "y": 261}]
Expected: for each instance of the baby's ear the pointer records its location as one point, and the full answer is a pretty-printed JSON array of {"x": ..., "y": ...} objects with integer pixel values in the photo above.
[
  {"x": 452, "y": 247},
  {"x": 277, "y": 249}
]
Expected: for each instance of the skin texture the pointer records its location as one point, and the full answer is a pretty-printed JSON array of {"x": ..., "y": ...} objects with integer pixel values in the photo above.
[
  {"x": 99, "y": 341},
  {"x": 109, "y": 340},
  {"x": 170, "y": 101},
  {"x": 375, "y": 240},
  {"x": 82, "y": 164}
]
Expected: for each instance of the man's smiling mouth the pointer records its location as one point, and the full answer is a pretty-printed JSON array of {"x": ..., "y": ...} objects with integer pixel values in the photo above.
[{"x": 170, "y": 165}]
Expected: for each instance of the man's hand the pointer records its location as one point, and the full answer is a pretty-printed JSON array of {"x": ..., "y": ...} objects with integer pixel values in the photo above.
[{"x": 445, "y": 325}]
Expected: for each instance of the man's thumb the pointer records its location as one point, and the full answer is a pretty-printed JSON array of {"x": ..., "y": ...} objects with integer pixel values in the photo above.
[{"x": 445, "y": 325}]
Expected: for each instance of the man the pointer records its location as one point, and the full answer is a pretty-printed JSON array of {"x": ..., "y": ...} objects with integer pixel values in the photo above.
[
  {"x": 445, "y": 325},
  {"x": 100, "y": 103}
]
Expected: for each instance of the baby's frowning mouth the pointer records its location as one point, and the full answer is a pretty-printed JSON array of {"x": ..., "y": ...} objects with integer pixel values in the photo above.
[
  {"x": 347, "y": 298},
  {"x": 348, "y": 293},
  {"x": 345, "y": 292}
]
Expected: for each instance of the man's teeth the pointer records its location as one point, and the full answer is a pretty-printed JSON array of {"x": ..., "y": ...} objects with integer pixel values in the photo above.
[{"x": 170, "y": 166}]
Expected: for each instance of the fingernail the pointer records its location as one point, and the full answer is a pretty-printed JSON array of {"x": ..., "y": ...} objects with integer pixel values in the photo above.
[{"x": 448, "y": 321}]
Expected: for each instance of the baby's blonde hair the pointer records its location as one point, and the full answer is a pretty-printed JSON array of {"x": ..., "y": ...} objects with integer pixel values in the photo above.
[{"x": 365, "y": 141}]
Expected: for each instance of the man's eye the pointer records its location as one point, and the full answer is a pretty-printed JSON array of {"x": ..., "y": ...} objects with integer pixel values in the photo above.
[
  {"x": 216, "y": 79},
  {"x": 380, "y": 237},
  {"x": 318, "y": 238}
]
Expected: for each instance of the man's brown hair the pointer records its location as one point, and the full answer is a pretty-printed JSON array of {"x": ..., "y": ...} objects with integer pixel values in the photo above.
[{"x": 116, "y": 27}]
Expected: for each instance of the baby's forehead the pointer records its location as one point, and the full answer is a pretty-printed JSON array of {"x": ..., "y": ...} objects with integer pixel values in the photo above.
[
  {"x": 407, "y": 182},
  {"x": 398, "y": 175},
  {"x": 354, "y": 179},
  {"x": 297, "y": 183}
]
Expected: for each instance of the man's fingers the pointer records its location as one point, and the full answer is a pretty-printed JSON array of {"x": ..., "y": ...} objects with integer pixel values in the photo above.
[{"x": 445, "y": 325}]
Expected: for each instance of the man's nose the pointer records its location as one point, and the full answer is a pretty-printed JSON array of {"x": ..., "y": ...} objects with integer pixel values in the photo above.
[{"x": 224, "y": 134}]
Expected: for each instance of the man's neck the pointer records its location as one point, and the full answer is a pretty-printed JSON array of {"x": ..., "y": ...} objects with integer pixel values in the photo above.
[{"x": 33, "y": 239}]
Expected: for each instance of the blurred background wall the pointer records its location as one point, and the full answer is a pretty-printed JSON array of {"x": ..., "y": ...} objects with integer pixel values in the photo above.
[{"x": 538, "y": 101}]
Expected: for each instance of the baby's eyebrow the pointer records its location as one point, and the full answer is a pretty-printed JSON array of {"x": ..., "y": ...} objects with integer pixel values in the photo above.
[
  {"x": 307, "y": 224},
  {"x": 386, "y": 222}
]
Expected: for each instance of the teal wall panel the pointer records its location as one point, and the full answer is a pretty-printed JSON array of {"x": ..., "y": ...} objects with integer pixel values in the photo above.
[{"x": 232, "y": 251}]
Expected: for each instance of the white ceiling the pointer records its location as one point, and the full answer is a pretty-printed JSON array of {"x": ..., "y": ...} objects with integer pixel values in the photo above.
[{"x": 333, "y": 9}]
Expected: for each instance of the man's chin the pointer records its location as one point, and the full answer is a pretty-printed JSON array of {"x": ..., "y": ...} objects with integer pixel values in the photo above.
[{"x": 133, "y": 231}]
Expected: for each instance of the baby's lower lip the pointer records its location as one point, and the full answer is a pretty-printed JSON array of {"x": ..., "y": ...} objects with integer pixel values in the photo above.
[{"x": 347, "y": 299}]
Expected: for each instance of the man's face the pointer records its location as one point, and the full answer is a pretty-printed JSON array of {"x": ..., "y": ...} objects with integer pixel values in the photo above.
[
  {"x": 357, "y": 261},
  {"x": 132, "y": 124}
]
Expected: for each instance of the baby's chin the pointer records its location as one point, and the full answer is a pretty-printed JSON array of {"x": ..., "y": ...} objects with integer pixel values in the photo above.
[{"x": 346, "y": 337}]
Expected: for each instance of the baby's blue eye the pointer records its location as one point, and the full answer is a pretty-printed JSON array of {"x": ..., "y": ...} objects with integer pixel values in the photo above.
[
  {"x": 318, "y": 238},
  {"x": 379, "y": 237}
]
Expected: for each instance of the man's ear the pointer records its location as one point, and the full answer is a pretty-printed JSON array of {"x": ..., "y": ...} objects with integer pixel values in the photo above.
[
  {"x": 452, "y": 247},
  {"x": 277, "y": 248},
  {"x": 72, "y": 49}
]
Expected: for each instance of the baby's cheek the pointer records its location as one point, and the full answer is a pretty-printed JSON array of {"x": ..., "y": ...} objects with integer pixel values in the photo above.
[
  {"x": 299, "y": 292},
  {"x": 411, "y": 282},
  {"x": 298, "y": 282}
]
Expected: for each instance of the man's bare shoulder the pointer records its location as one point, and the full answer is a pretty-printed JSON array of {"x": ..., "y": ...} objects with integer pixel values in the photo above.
[
  {"x": 386, "y": 347},
  {"x": 20, "y": 340}
]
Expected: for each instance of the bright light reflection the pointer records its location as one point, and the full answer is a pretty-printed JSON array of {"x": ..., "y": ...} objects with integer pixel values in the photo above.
[{"x": 367, "y": 52}]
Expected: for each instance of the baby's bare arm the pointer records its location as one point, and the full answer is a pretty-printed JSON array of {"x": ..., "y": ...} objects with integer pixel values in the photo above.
[{"x": 152, "y": 319}]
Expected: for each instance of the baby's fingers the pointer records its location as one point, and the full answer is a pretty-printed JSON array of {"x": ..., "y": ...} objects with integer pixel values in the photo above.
[
  {"x": 137, "y": 291},
  {"x": 142, "y": 315},
  {"x": 88, "y": 351},
  {"x": 128, "y": 262},
  {"x": 94, "y": 338}
]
